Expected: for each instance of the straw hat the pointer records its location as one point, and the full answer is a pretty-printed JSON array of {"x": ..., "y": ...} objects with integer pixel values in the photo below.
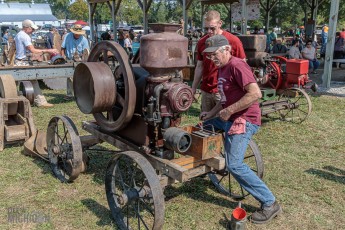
[{"x": 78, "y": 29}]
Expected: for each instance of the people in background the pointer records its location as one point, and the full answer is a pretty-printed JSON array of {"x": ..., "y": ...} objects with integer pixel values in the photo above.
[
  {"x": 339, "y": 43},
  {"x": 206, "y": 71},
  {"x": 324, "y": 37},
  {"x": 342, "y": 33},
  {"x": 50, "y": 38},
  {"x": 309, "y": 53},
  {"x": 24, "y": 46},
  {"x": 128, "y": 46},
  {"x": 279, "y": 48},
  {"x": 294, "y": 52},
  {"x": 268, "y": 41},
  {"x": 139, "y": 35},
  {"x": 74, "y": 43},
  {"x": 273, "y": 36},
  {"x": 106, "y": 35},
  {"x": 121, "y": 37},
  {"x": 132, "y": 35},
  {"x": 238, "y": 115},
  {"x": 5, "y": 37}
]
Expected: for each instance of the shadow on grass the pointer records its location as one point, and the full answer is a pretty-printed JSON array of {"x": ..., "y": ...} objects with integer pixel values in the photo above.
[
  {"x": 102, "y": 213},
  {"x": 330, "y": 173},
  {"x": 196, "y": 189},
  {"x": 57, "y": 98},
  {"x": 99, "y": 158}
]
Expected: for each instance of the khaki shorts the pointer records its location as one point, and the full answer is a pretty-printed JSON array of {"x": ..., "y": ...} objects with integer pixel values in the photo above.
[{"x": 208, "y": 100}]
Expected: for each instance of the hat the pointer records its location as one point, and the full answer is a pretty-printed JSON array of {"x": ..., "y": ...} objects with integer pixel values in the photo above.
[
  {"x": 29, "y": 23},
  {"x": 214, "y": 42},
  {"x": 78, "y": 29}
]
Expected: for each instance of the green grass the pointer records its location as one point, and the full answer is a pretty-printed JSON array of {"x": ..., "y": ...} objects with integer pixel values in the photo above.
[{"x": 304, "y": 167}]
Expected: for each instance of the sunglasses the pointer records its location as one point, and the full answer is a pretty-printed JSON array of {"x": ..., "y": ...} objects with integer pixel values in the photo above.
[
  {"x": 77, "y": 28},
  {"x": 213, "y": 28}
]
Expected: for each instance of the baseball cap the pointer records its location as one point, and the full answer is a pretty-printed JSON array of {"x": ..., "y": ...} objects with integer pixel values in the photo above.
[
  {"x": 213, "y": 43},
  {"x": 29, "y": 23}
]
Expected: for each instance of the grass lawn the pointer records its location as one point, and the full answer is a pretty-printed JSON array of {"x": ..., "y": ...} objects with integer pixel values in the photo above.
[{"x": 304, "y": 167}]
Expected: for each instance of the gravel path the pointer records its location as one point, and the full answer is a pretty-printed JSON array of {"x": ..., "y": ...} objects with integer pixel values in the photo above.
[{"x": 337, "y": 89}]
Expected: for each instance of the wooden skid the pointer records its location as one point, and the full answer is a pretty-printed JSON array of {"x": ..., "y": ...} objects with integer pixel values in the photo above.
[{"x": 180, "y": 169}]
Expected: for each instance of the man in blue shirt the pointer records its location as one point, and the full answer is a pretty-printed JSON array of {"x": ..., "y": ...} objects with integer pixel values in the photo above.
[
  {"x": 74, "y": 43},
  {"x": 5, "y": 37}
]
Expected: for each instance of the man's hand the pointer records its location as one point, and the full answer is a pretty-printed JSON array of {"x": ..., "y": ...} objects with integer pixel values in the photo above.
[
  {"x": 205, "y": 116},
  {"x": 225, "y": 114},
  {"x": 53, "y": 51}
]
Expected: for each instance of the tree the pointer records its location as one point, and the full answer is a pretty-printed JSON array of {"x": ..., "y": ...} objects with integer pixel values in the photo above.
[{"x": 79, "y": 10}]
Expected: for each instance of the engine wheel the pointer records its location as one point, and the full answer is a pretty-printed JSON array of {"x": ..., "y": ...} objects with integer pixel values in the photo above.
[
  {"x": 274, "y": 80},
  {"x": 134, "y": 194},
  {"x": 27, "y": 89},
  {"x": 298, "y": 107},
  {"x": 64, "y": 149},
  {"x": 8, "y": 89},
  {"x": 227, "y": 184},
  {"x": 116, "y": 57}
]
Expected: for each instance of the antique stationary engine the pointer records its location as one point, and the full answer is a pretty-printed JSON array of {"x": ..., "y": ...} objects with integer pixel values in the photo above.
[{"x": 141, "y": 104}]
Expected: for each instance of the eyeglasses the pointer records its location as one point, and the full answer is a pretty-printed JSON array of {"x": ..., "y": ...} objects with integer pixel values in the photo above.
[
  {"x": 213, "y": 28},
  {"x": 211, "y": 56},
  {"x": 77, "y": 28}
]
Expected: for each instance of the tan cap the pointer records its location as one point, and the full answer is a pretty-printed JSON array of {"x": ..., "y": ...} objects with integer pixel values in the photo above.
[{"x": 29, "y": 23}]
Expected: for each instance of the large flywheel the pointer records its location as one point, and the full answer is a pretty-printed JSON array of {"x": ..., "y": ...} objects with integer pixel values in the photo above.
[{"x": 105, "y": 87}]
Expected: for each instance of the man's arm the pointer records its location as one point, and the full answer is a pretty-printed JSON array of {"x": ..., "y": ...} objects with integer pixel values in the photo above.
[
  {"x": 37, "y": 51},
  {"x": 197, "y": 75},
  {"x": 252, "y": 95},
  {"x": 63, "y": 52}
]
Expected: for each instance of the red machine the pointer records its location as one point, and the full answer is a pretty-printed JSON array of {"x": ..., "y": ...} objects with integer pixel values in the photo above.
[{"x": 288, "y": 77}]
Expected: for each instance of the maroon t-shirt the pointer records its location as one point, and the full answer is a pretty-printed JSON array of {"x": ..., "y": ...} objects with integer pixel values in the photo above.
[
  {"x": 232, "y": 79},
  {"x": 210, "y": 71}
]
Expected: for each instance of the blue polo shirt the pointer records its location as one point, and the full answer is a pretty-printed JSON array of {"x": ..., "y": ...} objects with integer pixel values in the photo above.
[{"x": 71, "y": 44}]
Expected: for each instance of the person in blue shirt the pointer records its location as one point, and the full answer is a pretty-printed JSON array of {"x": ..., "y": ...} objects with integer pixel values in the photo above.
[
  {"x": 5, "y": 37},
  {"x": 74, "y": 43}
]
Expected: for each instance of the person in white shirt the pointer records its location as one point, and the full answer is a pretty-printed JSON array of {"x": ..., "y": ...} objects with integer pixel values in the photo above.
[
  {"x": 25, "y": 46},
  {"x": 294, "y": 52},
  {"x": 309, "y": 53}
]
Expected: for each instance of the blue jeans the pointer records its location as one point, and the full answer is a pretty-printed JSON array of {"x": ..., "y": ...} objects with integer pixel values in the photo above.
[
  {"x": 314, "y": 64},
  {"x": 235, "y": 148}
]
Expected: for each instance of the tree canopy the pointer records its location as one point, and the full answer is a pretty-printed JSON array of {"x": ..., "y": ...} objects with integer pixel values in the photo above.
[{"x": 284, "y": 14}]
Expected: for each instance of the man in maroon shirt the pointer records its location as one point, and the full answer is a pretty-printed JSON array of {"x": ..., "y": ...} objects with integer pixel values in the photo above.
[
  {"x": 205, "y": 71},
  {"x": 238, "y": 115}
]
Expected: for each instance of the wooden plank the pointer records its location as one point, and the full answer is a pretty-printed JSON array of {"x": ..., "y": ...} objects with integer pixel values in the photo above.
[
  {"x": 217, "y": 163},
  {"x": 188, "y": 162}
]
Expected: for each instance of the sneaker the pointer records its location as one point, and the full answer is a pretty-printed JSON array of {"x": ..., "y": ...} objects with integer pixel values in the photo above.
[
  {"x": 40, "y": 101},
  {"x": 266, "y": 214}
]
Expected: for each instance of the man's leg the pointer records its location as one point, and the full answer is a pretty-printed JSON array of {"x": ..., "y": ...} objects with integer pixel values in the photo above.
[
  {"x": 311, "y": 65},
  {"x": 316, "y": 64},
  {"x": 235, "y": 147}
]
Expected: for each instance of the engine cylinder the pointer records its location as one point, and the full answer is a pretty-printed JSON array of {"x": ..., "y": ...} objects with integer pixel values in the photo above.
[
  {"x": 177, "y": 139},
  {"x": 164, "y": 50}
]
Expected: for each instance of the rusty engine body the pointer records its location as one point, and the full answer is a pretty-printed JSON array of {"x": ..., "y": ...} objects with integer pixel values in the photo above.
[{"x": 161, "y": 94}]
